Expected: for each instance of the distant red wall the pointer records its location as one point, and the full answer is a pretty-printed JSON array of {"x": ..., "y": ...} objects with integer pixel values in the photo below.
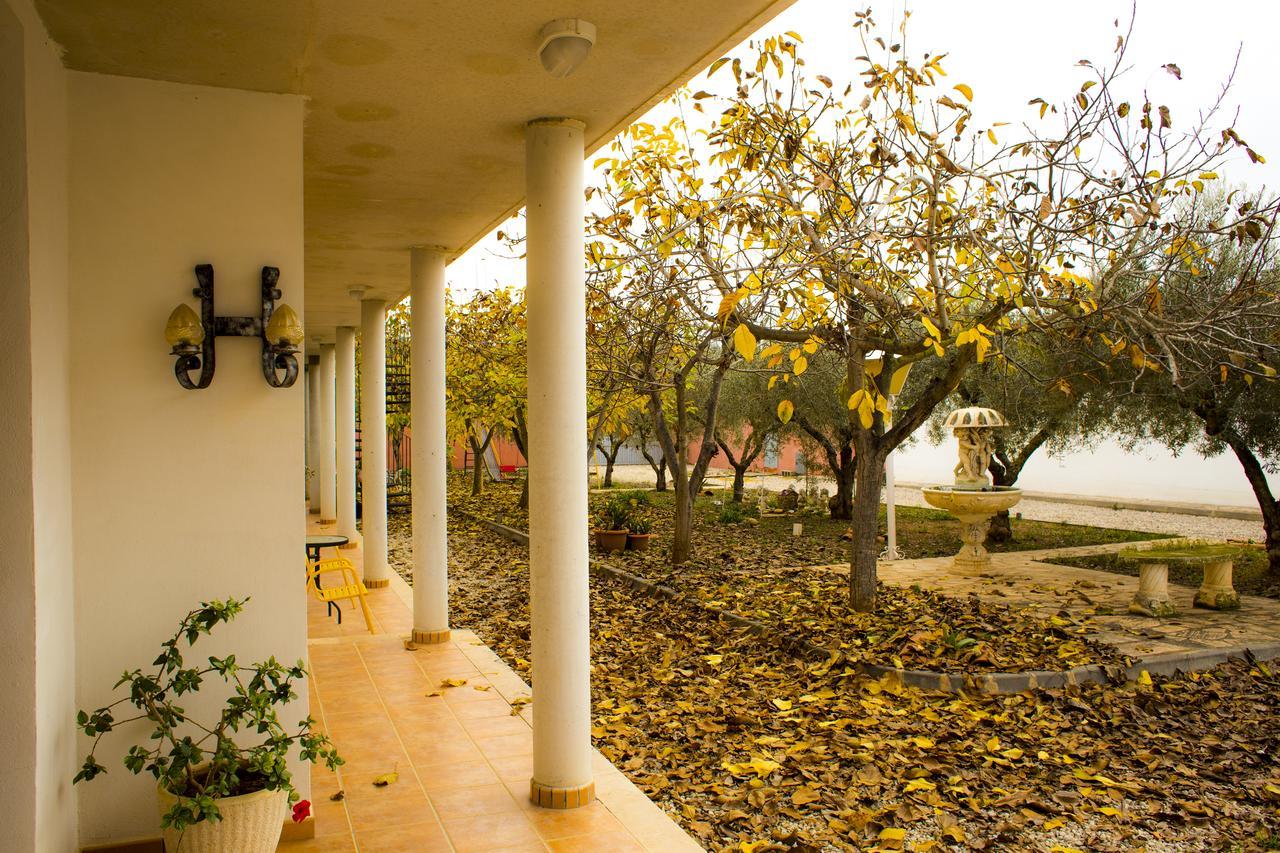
[{"x": 788, "y": 452}]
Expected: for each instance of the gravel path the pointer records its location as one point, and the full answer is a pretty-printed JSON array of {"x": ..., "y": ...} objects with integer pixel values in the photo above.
[{"x": 1037, "y": 510}]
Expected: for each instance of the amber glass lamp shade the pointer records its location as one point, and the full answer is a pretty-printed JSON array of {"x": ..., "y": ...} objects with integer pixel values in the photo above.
[
  {"x": 184, "y": 328},
  {"x": 285, "y": 329}
]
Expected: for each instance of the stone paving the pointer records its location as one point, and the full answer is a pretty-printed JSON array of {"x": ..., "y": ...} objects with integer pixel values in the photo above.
[{"x": 1024, "y": 580}]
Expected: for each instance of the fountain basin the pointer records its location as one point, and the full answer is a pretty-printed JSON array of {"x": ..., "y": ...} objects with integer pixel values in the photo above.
[
  {"x": 974, "y": 508},
  {"x": 961, "y": 502}
]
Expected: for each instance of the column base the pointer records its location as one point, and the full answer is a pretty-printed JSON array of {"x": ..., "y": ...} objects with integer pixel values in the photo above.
[
  {"x": 1143, "y": 605},
  {"x": 1217, "y": 599},
  {"x": 376, "y": 583},
  {"x": 430, "y": 638},
  {"x": 350, "y": 546},
  {"x": 547, "y": 797},
  {"x": 326, "y": 522}
]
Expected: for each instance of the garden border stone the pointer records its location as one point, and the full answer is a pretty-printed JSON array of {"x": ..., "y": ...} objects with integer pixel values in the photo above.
[{"x": 993, "y": 683}]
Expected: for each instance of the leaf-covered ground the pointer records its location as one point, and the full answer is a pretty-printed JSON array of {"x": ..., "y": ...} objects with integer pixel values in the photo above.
[
  {"x": 769, "y": 540},
  {"x": 1251, "y": 572},
  {"x": 751, "y": 749},
  {"x": 742, "y": 568}
]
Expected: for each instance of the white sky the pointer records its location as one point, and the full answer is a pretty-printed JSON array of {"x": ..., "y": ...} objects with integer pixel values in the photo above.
[{"x": 1010, "y": 51}]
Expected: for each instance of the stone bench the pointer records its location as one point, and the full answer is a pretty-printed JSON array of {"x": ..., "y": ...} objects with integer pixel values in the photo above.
[{"x": 1214, "y": 560}]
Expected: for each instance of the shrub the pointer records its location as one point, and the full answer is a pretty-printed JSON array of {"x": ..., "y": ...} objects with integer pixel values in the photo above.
[{"x": 177, "y": 746}]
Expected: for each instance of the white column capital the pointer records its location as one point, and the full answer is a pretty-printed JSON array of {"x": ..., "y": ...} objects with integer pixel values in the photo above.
[{"x": 554, "y": 121}]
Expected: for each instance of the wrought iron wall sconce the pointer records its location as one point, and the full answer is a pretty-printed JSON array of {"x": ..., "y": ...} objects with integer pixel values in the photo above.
[{"x": 192, "y": 337}]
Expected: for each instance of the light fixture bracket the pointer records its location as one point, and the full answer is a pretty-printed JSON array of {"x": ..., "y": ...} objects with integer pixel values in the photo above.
[{"x": 275, "y": 357}]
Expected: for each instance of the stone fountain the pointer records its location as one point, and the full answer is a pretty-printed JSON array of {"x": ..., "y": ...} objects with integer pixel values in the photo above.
[{"x": 973, "y": 499}]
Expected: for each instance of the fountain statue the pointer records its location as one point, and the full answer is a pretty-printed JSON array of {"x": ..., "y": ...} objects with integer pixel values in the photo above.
[{"x": 973, "y": 499}]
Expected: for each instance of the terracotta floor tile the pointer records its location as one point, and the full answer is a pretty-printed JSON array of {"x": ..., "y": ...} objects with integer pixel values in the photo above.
[
  {"x": 601, "y": 842},
  {"x": 593, "y": 819},
  {"x": 491, "y": 833},
  {"x": 463, "y": 774},
  {"x": 486, "y": 727},
  {"x": 505, "y": 746},
  {"x": 518, "y": 768},
  {"x": 330, "y": 818},
  {"x": 425, "y": 837},
  {"x": 453, "y": 803},
  {"x": 375, "y": 762},
  {"x": 489, "y": 707},
  {"x": 424, "y": 753},
  {"x": 330, "y": 844},
  {"x": 392, "y": 807},
  {"x": 439, "y": 729}
]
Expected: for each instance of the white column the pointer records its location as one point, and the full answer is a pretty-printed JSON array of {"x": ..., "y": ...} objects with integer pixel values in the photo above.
[
  {"x": 313, "y": 433},
  {"x": 426, "y": 394},
  {"x": 328, "y": 452},
  {"x": 555, "y": 296},
  {"x": 373, "y": 439},
  {"x": 346, "y": 431}
]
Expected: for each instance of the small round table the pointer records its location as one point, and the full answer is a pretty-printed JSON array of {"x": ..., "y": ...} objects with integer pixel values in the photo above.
[{"x": 314, "y": 544}]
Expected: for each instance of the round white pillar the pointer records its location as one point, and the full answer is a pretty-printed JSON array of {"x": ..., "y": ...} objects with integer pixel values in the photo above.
[
  {"x": 555, "y": 299},
  {"x": 373, "y": 439},
  {"x": 328, "y": 452},
  {"x": 313, "y": 434},
  {"x": 345, "y": 379},
  {"x": 430, "y": 497}
]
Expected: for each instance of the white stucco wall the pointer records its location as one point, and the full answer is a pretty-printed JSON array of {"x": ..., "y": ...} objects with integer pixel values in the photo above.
[
  {"x": 17, "y": 568},
  {"x": 179, "y": 496},
  {"x": 37, "y": 647}
]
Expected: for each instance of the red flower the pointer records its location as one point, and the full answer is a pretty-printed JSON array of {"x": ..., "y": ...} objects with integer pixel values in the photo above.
[{"x": 301, "y": 811}]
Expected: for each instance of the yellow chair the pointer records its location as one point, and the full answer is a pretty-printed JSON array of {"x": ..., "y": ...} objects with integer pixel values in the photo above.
[{"x": 351, "y": 588}]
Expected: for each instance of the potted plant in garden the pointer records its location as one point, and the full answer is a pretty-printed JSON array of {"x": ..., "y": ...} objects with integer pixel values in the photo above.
[
  {"x": 614, "y": 518},
  {"x": 638, "y": 532},
  {"x": 222, "y": 786}
]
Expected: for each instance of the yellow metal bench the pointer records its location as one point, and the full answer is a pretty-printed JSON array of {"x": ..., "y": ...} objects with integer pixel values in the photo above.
[{"x": 351, "y": 588}]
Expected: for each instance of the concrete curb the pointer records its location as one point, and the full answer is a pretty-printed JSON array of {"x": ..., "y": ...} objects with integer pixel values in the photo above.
[{"x": 994, "y": 683}]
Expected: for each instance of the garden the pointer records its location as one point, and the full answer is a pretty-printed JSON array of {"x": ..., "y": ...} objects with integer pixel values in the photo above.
[{"x": 753, "y": 746}]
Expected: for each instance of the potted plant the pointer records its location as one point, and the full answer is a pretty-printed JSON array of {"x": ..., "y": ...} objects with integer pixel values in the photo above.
[
  {"x": 638, "y": 532},
  {"x": 224, "y": 785},
  {"x": 611, "y": 535}
]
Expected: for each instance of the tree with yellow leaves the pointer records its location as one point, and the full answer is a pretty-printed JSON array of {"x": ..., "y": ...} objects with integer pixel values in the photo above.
[
  {"x": 893, "y": 231},
  {"x": 485, "y": 374}
]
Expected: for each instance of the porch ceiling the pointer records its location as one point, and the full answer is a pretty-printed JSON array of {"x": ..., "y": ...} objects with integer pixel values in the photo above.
[{"x": 414, "y": 132}]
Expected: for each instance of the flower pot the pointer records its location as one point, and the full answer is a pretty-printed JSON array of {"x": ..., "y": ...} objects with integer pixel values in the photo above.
[
  {"x": 251, "y": 823},
  {"x": 611, "y": 540},
  {"x": 638, "y": 541}
]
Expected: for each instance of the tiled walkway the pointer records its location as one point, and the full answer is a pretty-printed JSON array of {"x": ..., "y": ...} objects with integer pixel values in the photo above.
[{"x": 462, "y": 754}]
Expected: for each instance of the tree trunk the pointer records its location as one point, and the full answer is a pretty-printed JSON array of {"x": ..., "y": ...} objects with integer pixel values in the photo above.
[
  {"x": 521, "y": 437},
  {"x": 1257, "y": 478},
  {"x": 682, "y": 539},
  {"x": 739, "y": 482},
  {"x": 659, "y": 467},
  {"x": 866, "y": 530},
  {"x": 477, "y": 460},
  {"x": 610, "y": 457},
  {"x": 841, "y": 503}
]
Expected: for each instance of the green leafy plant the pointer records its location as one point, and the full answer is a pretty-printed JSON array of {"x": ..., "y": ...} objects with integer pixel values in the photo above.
[
  {"x": 616, "y": 514},
  {"x": 732, "y": 513},
  {"x": 639, "y": 523},
  {"x": 198, "y": 763}
]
